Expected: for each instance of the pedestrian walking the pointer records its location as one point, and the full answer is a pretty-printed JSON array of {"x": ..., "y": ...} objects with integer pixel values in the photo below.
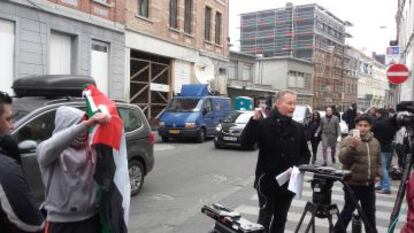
[
  {"x": 67, "y": 164},
  {"x": 18, "y": 212},
  {"x": 350, "y": 115},
  {"x": 331, "y": 133},
  {"x": 360, "y": 153},
  {"x": 312, "y": 135},
  {"x": 282, "y": 144},
  {"x": 384, "y": 131}
]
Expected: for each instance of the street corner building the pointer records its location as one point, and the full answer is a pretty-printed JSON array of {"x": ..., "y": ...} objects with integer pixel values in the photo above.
[{"x": 80, "y": 37}]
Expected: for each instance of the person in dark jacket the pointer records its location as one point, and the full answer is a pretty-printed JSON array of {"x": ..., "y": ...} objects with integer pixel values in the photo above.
[
  {"x": 335, "y": 111},
  {"x": 384, "y": 131},
  {"x": 18, "y": 213},
  {"x": 282, "y": 144},
  {"x": 313, "y": 137},
  {"x": 350, "y": 115},
  {"x": 360, "y": 155}
]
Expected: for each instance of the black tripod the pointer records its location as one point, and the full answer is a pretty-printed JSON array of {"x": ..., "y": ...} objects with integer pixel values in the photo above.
[
  {"x": 321, "y": 206},
  {"x": 406, "y": 174}
]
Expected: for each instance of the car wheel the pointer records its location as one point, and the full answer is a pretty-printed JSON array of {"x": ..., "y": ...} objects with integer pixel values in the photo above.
[
  {"x": 202, "y": 136},
  {"x": 165, "y": 139},
  {"x": 136, "y": 176}
]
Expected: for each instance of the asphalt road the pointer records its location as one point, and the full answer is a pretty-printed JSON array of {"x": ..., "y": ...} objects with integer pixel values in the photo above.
[{"x": 186, "y": 176}]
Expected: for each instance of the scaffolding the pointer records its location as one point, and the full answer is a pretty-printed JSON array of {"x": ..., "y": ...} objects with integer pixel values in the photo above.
[
  {"x": 293, "y": 30},
  {"x": 307, "y": 32}
]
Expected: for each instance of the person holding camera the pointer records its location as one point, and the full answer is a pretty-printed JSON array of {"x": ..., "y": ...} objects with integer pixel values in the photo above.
[
  {"x": 360, "y": 153},
  {"x": 282, "y": 144}
]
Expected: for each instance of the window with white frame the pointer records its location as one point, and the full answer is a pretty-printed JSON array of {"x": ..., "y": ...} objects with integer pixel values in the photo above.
[
  {"x": 60, "y": 53},
  {"x": 7, "y": 38},
  {"x": 100, "y": 64}
]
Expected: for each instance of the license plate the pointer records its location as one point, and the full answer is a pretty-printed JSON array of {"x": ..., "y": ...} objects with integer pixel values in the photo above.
[
  {"x": 174, "y": 131},
  {"x": 232, "y": 139}
]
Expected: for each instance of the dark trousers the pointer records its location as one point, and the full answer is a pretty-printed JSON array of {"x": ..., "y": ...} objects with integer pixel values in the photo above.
[
  {"x": 315, "y": 145},
  {"x": 91, "y": 225},
  {"x": 274, "y": 210},
  {"x": 366, "y": 196}
]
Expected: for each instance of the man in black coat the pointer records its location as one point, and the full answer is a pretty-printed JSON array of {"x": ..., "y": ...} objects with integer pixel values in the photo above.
[
  {"x": 282, "y": 144},
  {"x": 384, "y": 131},
  {"x": 18, "y": 213},
  {"x": 350, "y": 115}
]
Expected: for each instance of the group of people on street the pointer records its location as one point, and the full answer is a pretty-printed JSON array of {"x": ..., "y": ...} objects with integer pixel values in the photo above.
[
  {"x": 366, "y": 152},
  {"x": 67, "y": 164}
]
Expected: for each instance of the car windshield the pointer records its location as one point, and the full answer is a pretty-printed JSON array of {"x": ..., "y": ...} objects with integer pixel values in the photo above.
[
  {"x": 185, "y": 105},
  {"x": 300, "y": 111},
  {"x": 238, "y": 117}
]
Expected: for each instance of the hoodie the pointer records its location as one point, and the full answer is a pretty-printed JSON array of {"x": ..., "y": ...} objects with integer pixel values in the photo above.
[{"x": 67, "y": 173}]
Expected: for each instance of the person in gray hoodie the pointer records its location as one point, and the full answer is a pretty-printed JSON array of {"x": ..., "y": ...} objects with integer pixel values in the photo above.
[{"x": 67, "y": 164}]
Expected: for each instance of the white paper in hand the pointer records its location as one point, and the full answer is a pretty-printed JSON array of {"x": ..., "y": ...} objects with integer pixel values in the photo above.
[
  {"x": 283, "y": 177},
  {"x": 296, "y": 182}
]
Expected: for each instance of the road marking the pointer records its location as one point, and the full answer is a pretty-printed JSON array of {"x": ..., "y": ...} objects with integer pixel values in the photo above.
[{"x": 163, "y": 147}]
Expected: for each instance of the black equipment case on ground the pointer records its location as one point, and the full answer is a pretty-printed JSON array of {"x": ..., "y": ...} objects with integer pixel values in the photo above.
[{"x": 51, "y": 85}]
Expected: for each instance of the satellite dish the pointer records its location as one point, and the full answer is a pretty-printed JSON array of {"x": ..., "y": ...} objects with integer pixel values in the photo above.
[{"x": 204, "y": 71}]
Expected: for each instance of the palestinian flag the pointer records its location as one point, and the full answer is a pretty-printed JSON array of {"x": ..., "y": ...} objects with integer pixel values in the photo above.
[{"x": 111, "y": 173}]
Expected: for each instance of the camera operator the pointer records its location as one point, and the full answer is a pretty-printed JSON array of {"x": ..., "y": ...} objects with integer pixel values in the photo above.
[
  {"x": 360, "y": 154},
  {"x": 282, "y": 144}
]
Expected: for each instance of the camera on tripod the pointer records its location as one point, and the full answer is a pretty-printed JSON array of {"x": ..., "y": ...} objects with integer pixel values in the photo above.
[
  {"x": 322, "y": 190},
  {"x": 321, "y": 205}
]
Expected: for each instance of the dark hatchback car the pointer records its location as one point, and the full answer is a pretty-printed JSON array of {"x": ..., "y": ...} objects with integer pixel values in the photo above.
[
  {"x": 228, "y": 133},
  {"x": 34, "y": 122}
]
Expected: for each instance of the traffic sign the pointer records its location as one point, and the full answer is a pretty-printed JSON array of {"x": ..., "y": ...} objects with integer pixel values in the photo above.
[{"x": 397, "y": 73}]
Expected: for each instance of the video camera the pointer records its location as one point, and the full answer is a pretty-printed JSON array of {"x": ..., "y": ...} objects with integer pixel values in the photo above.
[
  {"x": 405, "y": 115},
  {"x": 228, "y": 221},
  {"x": 322, "y": 182}
]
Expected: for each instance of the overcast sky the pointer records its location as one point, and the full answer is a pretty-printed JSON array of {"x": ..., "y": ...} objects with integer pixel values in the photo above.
[{"x": 368, "y": 16}]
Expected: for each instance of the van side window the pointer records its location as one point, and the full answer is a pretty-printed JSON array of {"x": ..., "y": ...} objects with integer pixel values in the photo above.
[
  {"x": 208, "y": 105},
  {"x": 38, "y": 129},
  {"x": 217, "y": 105},
  {"x": 130, "y": 118}
]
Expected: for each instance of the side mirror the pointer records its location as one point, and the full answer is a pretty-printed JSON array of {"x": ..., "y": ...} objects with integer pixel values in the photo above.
[
  {"x": 27, "y": 146},
  {"x": 204, "y": 111}
]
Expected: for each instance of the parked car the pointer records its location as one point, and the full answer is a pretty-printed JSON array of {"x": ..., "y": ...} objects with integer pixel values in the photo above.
[
  {"x": 228, "y": 133},
  {"x": 302, "y": 114},
  {"x": 34, "y": 122},
  {"x": 193, "y": 114}
]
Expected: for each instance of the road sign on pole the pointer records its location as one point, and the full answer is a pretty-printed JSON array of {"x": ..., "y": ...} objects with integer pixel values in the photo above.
[{"x": 397, "y": 73}]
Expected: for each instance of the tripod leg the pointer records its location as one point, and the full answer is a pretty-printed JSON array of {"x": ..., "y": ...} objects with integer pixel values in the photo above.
[
  {"x": 307, "y": 207},
  {"x": 331, "y": 227},
  {"x": 401, "y": 192},
  {"x": 312, "y": 220},
  {"x": 311, "y": 224}
]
